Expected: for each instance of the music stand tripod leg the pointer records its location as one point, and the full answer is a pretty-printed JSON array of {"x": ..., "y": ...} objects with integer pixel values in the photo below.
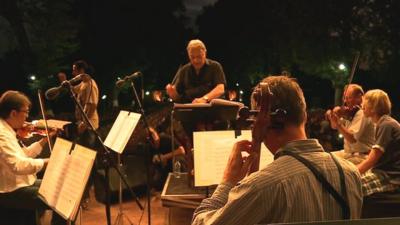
[{"x": 120, "y": 218}]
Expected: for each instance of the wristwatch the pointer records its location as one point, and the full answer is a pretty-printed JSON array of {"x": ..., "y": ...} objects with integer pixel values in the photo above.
[{"x": 205, "y": 97}]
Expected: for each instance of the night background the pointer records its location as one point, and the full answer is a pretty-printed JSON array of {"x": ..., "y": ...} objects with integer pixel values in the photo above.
[{"x": 308, "y": 39}]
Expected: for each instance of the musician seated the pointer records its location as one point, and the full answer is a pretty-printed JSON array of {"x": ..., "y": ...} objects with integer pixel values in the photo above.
[
  {"x": 381, "y": 170},
  {"x": 285, "y": 190},
  {"x": 18, "y": 166},
  {"x": 357, "y": 130},
  {"x": 163, "y": 156}
]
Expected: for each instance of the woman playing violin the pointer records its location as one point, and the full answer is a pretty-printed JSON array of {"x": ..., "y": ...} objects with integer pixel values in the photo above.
[
  {"x": 357, "y": 130},
  {"x": 18, "y": 165}
]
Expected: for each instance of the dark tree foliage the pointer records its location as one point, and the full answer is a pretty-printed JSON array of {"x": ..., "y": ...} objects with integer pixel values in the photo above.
[
  {"x": 305, "y": 37},
  {"x": 121, "y": 37},
  {"x": 116, "y": 37},
  {"x": 308, "y": 38},
  {"x": 39, "y": 35}
]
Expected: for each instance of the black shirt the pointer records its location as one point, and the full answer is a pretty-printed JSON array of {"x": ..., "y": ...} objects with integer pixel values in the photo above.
[{"x": 190, "y": 85}]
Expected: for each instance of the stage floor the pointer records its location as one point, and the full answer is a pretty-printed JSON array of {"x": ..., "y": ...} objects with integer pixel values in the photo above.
[{"x": 95, "y": 213}]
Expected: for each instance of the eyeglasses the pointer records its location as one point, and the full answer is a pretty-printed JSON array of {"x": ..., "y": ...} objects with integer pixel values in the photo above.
[{"x": 25, "y": 111}]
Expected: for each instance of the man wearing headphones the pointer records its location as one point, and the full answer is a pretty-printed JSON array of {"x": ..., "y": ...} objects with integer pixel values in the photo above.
[{"x": 304, "y": 183}]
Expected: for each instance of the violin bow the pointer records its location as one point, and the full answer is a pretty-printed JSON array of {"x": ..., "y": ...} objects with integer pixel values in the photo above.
[
  {"x": 352, "y": 72},
  {"x": 40, "y": 96}
]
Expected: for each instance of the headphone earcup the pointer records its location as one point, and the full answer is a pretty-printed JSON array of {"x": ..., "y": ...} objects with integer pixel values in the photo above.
[{"x": 278, "y": 120}]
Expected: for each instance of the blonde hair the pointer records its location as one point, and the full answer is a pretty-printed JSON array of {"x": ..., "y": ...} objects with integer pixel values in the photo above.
[
  {"x": 379, "y": 102},
  {"x": 196, "y": 44}
]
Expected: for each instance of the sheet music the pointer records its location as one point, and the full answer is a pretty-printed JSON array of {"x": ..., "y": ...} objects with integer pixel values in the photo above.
[
  {"x": 223, "y": 102},
  {"x": 66, "y": 176},
  {"x": 122, "y": 130},
  {"x": 51, "y": 182},
  {"x": 80, "y": 163},
  {"x": 191, "y": 105},
  {"x": 211, "y": 154}
]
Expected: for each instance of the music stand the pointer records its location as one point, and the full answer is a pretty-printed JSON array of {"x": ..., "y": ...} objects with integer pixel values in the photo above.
[
  {"x": 116, "y": 140},
  {"x": 107, "y": 160},
  {"x": 217, "y": 109}
]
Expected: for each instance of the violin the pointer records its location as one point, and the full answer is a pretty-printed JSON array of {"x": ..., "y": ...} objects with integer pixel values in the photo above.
[
  {"x": 347, "y": 112},
  {"x": 29, "y": 129}
]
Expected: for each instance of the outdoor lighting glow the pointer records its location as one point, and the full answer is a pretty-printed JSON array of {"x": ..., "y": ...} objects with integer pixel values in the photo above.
[
  {"x": 147, "y": 92},
  {"x": 32, "y": 77},
  {"x": 237, "y": 84},
  {"x": 118, "y": 78},
  {"x": 342, "y": 66},
  {"x": 340, "y": 136},
  {"x": 241, "y": 92},
  {"x": 104, "y": 97}
]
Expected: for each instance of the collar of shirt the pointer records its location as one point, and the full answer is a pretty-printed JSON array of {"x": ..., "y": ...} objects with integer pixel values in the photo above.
[
  {"x": 7, "y": 126},
  {"x": 382, "y": 118},
  {"x": 207, "y": 63},
  {"x": 302, "y": 146}
]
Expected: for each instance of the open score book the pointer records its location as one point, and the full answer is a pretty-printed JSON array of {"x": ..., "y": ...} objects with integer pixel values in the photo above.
[
  {"x": 65, "y": 178},
  {"x": 211, "y": 154}
]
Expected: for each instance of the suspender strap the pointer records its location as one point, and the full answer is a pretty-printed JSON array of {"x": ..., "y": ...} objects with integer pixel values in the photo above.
[
  {"x": 342, "y": 182},
  {"x": 325, "y": 184}
]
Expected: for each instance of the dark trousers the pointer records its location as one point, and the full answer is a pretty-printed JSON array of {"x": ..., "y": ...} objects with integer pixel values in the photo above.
[{"x": 26, "y": 198}]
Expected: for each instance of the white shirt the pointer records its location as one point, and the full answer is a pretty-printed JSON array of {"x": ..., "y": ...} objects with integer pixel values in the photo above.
[
  {"x": 88, "y": 93},
  {"x": 17, "y": 165},
  {"x": 363, "y": 130}
]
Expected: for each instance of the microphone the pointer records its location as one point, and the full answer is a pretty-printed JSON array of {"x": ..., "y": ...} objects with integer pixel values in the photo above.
[
  {"x": 53, "y": 93},
  {"x": 119, "y": 83}
]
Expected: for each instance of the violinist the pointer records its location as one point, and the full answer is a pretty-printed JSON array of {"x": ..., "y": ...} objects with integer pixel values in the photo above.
[
  {"x": 18, "y": 165},
  {"x": 280, "y": 192},
  {"x": 349, "y": 120},
  {"x": 87, "y": 94}
]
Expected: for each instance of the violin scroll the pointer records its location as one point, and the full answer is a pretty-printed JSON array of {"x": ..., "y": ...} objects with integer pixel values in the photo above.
[{"x": 261, "y": 100}]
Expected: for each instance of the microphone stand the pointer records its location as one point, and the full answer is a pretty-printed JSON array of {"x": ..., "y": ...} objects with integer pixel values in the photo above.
[
  {"x": 146, "y": 126},
  {"x": 106, "y": 159}
]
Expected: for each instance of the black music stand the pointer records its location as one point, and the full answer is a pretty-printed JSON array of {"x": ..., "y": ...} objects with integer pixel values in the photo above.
[{"x": 107, "y": 160}]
